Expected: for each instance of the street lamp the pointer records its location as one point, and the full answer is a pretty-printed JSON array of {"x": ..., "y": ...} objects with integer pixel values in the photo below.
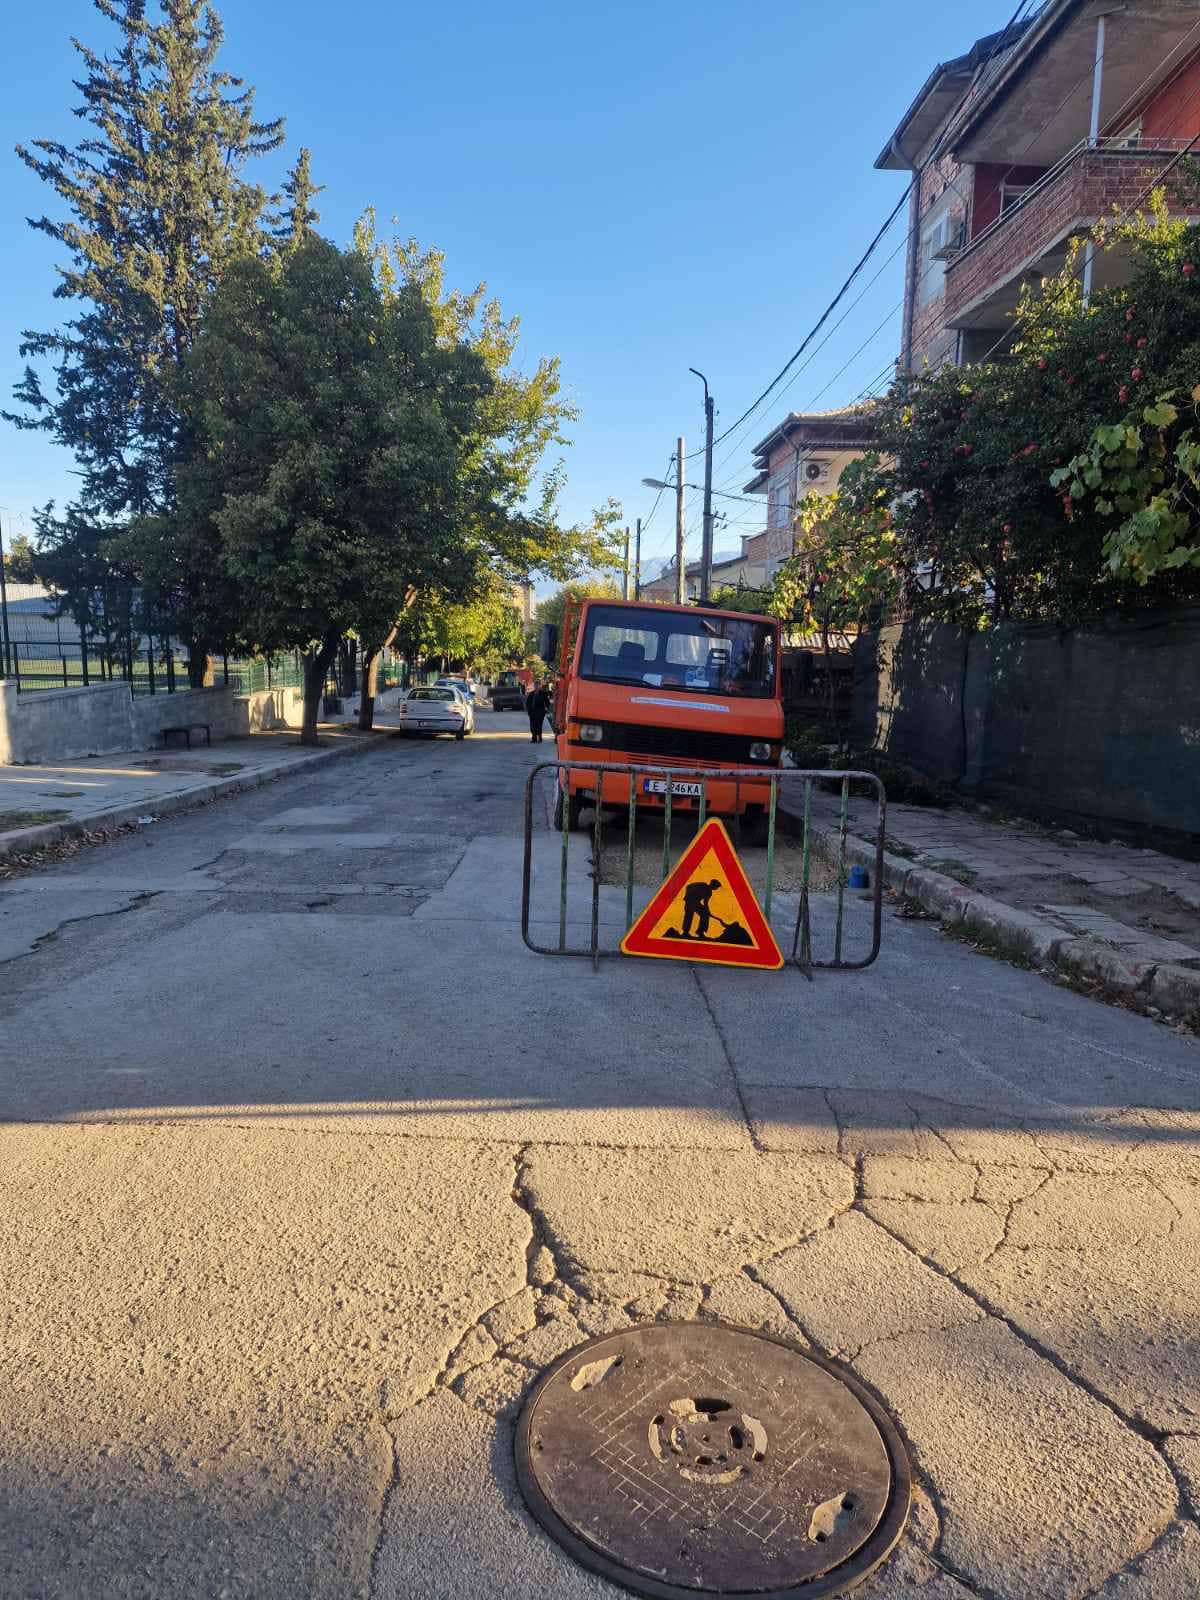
[{"x": 657, "y": 483}]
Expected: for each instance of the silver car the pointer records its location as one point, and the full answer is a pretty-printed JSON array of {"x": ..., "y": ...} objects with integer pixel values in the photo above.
[{"x": 437, "y": 710}]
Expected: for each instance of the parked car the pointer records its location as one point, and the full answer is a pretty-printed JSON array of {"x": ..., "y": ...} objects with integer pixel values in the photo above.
[
  {"x": 465, "y": 685},
  {"x": 508, "y": 693},
  {"x": 441, "y": 709}
]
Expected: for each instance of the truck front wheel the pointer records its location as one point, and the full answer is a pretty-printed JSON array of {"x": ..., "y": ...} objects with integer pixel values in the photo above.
[{"x": 574, "y": 807}]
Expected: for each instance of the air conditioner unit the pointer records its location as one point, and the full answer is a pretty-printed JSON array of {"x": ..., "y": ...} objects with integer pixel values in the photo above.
[{"x": 816, "y": 471}]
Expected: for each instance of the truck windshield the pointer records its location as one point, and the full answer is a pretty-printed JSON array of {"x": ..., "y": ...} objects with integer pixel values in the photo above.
[{"x": 680, "y": 650}]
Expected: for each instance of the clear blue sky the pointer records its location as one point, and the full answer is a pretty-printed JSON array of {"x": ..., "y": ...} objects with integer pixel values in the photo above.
[{"x": 650, "y": 186}]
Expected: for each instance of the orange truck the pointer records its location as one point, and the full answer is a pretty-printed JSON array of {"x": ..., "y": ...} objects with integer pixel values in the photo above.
[{"x": 662, "y": 687}]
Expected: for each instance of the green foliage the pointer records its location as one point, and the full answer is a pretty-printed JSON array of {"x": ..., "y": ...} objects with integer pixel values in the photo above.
[
  {"x": 509, "y": 495},
  {"x": 980, "y": 465},
  {"x": 845, "y": 559},
  {"x": 20, "y": 559},
  {"x": 157, "y": 206},
  {"x": 552, "y": 609},
  {"x": 753, "y": 601},
  {"x": 332, "y": 423}
]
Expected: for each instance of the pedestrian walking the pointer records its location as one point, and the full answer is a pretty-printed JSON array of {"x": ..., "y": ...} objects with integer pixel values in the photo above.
[{"x": 537, "y": 704}]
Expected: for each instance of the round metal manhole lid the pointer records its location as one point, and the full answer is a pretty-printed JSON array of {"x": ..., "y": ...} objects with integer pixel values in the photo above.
[{"x": 685, "y": 1459}]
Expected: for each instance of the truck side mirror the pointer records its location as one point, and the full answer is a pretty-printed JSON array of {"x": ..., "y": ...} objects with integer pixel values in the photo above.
[{"x": 548, "y": 643}]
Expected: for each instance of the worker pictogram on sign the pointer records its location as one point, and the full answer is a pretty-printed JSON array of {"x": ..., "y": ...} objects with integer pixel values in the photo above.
[{"x": 706, "y": 911}]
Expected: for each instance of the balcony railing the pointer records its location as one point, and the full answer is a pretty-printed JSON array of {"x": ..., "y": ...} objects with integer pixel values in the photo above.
[{"x": 1082, "y": 187}]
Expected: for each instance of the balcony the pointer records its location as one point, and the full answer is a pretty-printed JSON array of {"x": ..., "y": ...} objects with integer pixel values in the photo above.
[{"x": 1032, "y": 237}]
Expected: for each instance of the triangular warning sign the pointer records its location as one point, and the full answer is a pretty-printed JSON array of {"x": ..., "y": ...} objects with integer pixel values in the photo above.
[{"x": 706, "y": 911}]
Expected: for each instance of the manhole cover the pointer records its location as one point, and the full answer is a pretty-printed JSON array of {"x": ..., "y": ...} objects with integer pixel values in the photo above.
[{"x": 687, "y": 1459}]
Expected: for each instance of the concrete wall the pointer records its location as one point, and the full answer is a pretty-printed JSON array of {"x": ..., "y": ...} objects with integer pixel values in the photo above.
[
  {"x": 63, "y": 724},
  {"x": 1102, "y": 724}
]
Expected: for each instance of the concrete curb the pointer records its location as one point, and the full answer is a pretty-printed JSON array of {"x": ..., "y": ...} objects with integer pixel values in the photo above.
[
  {"x": 21, "y": 841},
  {"x": 1172, "y": 990}
]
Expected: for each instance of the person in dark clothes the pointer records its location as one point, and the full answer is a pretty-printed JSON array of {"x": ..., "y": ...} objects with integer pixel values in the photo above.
[{"x": 537, "y": 703}]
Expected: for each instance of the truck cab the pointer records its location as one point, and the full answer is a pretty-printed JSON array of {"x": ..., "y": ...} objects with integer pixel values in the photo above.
[{"x": 662, "y": 687}]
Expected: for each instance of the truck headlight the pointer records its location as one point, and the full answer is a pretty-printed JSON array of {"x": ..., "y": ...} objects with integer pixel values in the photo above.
[
  {"x": 760, "y": 751},
  {"x": 591, "y": 733}
]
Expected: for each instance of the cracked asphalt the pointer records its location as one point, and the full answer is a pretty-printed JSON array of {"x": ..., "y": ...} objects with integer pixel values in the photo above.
[{"x": 308, "y": 1166}]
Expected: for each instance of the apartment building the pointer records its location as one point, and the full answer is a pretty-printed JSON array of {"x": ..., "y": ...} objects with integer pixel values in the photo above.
[{"x": 1021, "y": 145}]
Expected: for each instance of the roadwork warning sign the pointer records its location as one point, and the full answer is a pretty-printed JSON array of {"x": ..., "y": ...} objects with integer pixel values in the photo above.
[{"x": 706, "y": 911}]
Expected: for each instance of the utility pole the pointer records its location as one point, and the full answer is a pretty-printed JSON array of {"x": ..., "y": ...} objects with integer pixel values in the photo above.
[
  {"x": 637, "y": 564},
  {"x": 625, "y": 574},
  {"x": 680, "y": 584},
  {"x": 706, "y": 553}
]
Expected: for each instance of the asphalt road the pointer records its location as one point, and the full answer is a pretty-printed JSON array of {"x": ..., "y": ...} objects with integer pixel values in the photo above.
[{"x": 307, "y": 1166}]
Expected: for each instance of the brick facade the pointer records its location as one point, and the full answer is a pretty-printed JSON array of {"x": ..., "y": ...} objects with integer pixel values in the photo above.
[{"x": 1085, "y": 188}]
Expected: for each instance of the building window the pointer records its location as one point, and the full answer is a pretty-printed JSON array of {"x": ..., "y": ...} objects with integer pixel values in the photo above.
[
  {"x": 780, "y": 504},
  {"x": 1011, "y": 194},
  {"x": 934, "y": 238}
]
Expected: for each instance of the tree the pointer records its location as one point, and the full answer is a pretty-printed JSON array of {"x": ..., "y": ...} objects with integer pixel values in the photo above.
[
  {"x": 19, "y": 559},
  {"x": 157, "y": 208},
  {"x": 332, "y": 424},
  {"x": 509, "y": 494},
  {"x": 554, "y": 607},
  {"x": 844, "y": 566}
]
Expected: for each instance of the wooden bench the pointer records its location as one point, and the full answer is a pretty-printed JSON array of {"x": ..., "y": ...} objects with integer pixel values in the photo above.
[{"x": 187, "y": 729}]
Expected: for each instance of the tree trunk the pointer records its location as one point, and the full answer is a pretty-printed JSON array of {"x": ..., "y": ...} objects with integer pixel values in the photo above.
[
  {"x": 316, "y": 670},
  {"x": 831, "y": 691},
  {"x": 199, "y": 666},
  {"x": 370, "y": 681}
]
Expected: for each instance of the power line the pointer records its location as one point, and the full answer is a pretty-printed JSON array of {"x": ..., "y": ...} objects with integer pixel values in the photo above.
[
  {"x": 1001, "y": 39},
  {"x": 1129, "y": 101}
]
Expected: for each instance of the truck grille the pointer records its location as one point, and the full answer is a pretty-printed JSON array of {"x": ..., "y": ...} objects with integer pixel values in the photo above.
[{"x": 679, "y": 744}]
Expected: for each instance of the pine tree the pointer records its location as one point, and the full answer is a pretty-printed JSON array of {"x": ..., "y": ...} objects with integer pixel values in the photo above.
[
  {"x": 298, "y": 220},
  {"x": 157, "y": 208}
]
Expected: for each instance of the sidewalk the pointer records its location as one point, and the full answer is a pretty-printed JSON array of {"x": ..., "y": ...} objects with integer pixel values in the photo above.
[
  {"x": 42, "y": 805},
  {"x": 1125, "y": 919}
]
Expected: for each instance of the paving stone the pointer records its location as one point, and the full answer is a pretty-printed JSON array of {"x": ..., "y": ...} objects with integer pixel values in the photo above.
[
  {"x": 513, "y": 1317},
  {"x": 900, "y": 1178},
  {"x": 1183, "y": 1452},
  {"x": 1126, "y": 972},
  {"x": 948, "y": 1234},
  {"x": 852, "y": 1285},
  {"x": 1171, "y": 1571},
  {"x": 688, "y": 1218},
  {"x": 1176, "y": 990},
  {"x": 1023, "y": 1461},
  {"x": 1144, "y": 946}
]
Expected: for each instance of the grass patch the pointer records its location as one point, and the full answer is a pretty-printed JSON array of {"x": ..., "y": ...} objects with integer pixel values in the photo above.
[
  {"x": 28, "y": 819},
  {"x": 953, "y": 868}
]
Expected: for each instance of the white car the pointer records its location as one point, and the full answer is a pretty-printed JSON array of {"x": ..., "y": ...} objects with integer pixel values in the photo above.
[{"x": 437, "y": 710}]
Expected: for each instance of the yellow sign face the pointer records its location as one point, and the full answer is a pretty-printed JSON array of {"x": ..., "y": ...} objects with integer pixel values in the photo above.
[{"x": 706, "y": 911}]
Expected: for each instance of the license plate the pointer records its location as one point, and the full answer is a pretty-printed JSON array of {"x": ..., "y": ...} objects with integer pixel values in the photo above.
[
  {"x": 429, "y": 724},
  {"x": 690, "y": 791}
]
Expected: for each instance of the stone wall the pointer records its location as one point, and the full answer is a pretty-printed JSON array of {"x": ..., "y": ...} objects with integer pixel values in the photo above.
[
  {"x": 1100, "y": 724},
  {"x": 47, "y": 725}
]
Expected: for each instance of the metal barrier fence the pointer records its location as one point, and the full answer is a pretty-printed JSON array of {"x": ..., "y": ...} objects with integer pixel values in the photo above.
[{"x": 607, "y": 776}]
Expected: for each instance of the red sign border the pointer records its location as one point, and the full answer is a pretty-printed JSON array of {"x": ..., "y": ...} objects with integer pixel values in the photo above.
[{"x": 764, "y": 956}]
